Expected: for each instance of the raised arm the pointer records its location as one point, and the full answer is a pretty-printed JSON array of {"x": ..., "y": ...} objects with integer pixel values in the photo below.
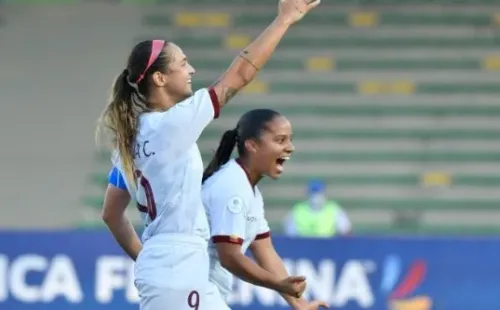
[{"x": 250, "y": 60}]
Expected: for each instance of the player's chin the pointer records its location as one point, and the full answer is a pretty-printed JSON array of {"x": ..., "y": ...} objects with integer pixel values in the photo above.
[{"x": 275, "y": 172}]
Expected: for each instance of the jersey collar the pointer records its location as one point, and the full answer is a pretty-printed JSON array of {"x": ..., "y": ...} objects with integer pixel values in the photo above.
[{"x": 238, "y": 161}]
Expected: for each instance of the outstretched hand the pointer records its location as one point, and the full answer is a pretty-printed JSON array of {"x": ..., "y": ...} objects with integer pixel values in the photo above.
[{"x": 291, "y": 11}]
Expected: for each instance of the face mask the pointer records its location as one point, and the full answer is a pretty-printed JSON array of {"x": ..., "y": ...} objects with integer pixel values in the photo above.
[{"x": 317, "y": 200}]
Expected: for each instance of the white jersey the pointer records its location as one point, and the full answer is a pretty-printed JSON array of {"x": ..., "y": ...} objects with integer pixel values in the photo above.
[
  {"x": 235, "y": 212},
  {"x": 170, "y": 167}
]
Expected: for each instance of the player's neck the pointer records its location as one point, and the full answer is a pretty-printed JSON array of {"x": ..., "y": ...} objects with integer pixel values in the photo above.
[
  {"x": 253, "y": 176},
  {"x": 160, "y": 101}
]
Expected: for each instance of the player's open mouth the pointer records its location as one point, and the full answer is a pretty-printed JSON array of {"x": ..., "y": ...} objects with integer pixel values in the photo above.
[{"x": 280, "y": 162}]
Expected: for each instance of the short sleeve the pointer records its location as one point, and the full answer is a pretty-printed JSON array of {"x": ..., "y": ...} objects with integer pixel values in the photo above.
[
  {"x": 117, "y": 176},
  {"x": 263, "y": 231},
  {"x": 116, "y": 179},
  {"x": 185, "y": 121},
  {"x": 227, "y": 219}
]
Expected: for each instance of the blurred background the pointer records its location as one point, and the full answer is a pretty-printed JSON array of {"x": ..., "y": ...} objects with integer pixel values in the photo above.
[{"x": 396, "y": 115}]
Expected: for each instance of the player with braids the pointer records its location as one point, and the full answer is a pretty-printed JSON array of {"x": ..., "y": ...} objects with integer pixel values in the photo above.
[{"x": 155, "y": 119}]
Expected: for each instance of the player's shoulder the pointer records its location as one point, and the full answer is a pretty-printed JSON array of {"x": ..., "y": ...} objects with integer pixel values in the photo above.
[
  {"x": 229, "y": 176},
  {"x": 227, "y": 181},
  {"x": 150, "y": 121},
  {"x": 198, "y": 95}
]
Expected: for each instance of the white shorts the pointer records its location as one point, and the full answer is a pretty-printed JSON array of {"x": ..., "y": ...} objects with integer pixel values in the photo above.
[
  {"x": 214, "y": 299},
  {"x": 171, "y": 272}
]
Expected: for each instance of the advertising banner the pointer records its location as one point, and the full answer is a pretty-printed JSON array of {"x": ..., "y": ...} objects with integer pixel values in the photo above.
[{"x": 87, "y": 271}]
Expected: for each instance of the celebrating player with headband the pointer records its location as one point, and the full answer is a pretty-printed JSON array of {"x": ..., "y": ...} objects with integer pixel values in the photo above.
[{"x": 155, "y": 120}]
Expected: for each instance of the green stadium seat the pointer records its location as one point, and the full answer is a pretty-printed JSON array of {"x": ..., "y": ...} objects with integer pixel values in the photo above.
[
  {"x": 337, "y": 88},
  {"x": 353, "y": 64},
  {"x": 370, "y": 109},
  {"x": 451, "y": 134},
  {"x": 361, "y": 180},
  {"x": 342, "y": 19},
  {"x": 399, "y": 204},
  {"x": 210, "y": 41}
]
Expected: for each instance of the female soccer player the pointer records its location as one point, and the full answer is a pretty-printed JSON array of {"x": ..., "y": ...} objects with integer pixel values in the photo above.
[
  {"x": 235, "y": 207},
  {"x": 155, "y": 120}
]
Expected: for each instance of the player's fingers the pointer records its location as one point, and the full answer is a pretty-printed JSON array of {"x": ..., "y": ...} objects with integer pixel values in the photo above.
[
  {"x": 297, "y": 279},
  {"x": 322, "y": 304},
  {"x": 300, "y": 287},
  {"x": 313, "y": 4}
]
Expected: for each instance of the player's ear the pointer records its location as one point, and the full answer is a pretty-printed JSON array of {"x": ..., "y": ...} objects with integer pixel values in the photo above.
[
  {"x": 251, "y": 146},
  {"x": 159, "y": 79}
]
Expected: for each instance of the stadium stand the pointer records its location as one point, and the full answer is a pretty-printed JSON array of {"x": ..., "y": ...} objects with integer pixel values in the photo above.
[{"x": 394, "y": 103}]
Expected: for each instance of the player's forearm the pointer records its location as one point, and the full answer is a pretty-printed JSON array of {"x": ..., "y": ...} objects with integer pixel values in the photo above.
[
  {"x": 245, "y": 269},
  {"x": 125, "y": 235},
  {"x": 257, "y": 53},
  {"x": 250, "y": 60},
  {"x": 274, "y": 264}
]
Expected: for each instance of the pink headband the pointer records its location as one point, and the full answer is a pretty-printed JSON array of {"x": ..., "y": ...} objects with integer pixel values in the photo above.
[{"x": 156, "y": 48}]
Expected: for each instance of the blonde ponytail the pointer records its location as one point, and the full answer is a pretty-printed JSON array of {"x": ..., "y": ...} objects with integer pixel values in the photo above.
[{"x": 119, "y": 119}]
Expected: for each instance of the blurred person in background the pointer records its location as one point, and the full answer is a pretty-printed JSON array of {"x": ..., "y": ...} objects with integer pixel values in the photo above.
[
  {"x": 317, "y": 216},
  {"x": 154, "y": 120}
]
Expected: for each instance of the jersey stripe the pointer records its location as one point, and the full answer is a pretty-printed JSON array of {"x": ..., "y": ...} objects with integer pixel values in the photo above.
[
  {"x": 215, "y": 102},
  {"x": 265, "y": 235},
  {"x": 227, "y": 239}
]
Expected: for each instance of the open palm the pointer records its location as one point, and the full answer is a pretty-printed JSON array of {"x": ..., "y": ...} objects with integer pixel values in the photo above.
[{"x": 294, "y": 10}]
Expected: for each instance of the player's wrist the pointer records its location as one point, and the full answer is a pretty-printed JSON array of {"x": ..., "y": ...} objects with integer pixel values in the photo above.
[
  {"x": 274, "y": 283},
  {"x": 298, "y": 303},
  {"x": 282, "y": 21}
]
